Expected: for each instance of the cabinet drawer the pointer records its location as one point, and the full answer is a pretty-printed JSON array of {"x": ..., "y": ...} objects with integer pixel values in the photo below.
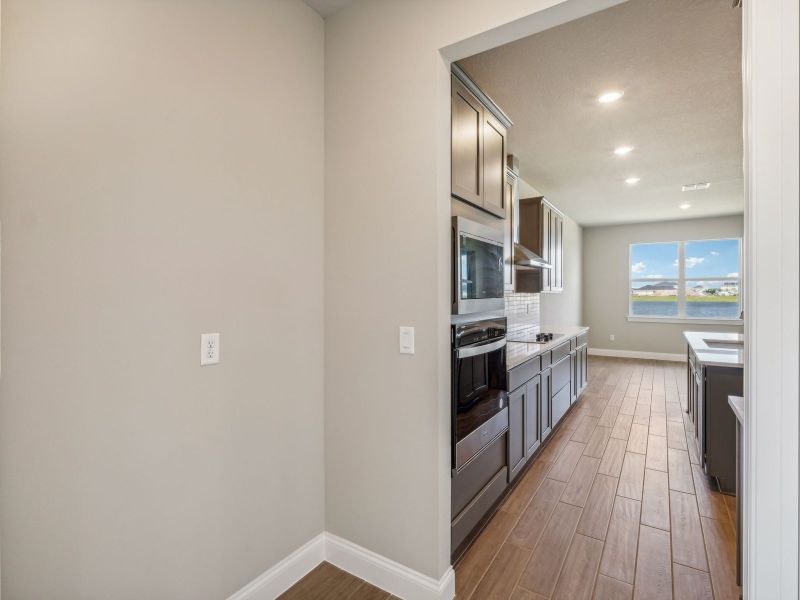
[
  {"x": 561, "y": 351},
  {"x": 561, "y": 403},
  {"x": 562, "y": 374},
  {"x": 474, "y": 477},
  {"x": 524, "y": 372},
  {"x": 476, "y": 510},
  {"x": 582, "y": 339},
  {"x": 547, "y": 359},
  {"x": 470, "y": 446}
]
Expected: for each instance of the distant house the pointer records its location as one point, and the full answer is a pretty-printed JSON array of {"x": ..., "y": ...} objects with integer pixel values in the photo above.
[
  {"x": 697, "y": 290},
  {"x": 662, "y": 288}
]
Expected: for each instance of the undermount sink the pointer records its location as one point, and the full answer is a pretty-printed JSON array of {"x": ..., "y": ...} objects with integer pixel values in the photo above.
[{"x": 724, "y": 344}]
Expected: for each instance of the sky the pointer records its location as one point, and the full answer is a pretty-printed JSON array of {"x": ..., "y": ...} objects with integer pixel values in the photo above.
[{"x": 708, "y": 258}]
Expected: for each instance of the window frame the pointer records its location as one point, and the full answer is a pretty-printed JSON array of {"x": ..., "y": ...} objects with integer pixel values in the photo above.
[{"x": 682, "y": 281}]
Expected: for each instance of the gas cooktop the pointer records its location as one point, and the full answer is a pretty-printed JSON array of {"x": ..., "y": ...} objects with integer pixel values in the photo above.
[{"x": 533, "y": 338}]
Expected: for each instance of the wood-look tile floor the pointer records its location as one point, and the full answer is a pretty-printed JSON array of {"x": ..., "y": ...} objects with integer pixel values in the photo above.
[
  {"x": 327, "y": 582},
  {"x": 615, "y": 505}
]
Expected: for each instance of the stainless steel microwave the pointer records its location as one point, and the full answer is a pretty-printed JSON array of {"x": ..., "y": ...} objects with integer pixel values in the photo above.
[{"x": 478, "y": 284}]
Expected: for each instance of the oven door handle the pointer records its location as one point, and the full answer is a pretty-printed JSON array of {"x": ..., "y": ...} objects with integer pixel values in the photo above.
[{"x": 481, "y": 349}]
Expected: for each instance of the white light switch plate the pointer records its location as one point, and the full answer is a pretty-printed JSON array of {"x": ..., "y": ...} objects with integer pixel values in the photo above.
[
  {"x": 209, "y": 349},
  {"x": 406, "y": 340}
]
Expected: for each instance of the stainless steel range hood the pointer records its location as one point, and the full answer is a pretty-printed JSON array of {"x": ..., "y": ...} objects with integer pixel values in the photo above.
[{"x": 525, "y": 258}]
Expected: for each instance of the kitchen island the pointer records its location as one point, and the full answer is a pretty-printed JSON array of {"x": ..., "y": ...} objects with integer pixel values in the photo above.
[{"x": 715, "y": 370}]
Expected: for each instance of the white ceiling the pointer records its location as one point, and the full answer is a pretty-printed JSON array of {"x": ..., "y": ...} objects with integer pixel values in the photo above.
[
  {"x": 326, "y": 8},
  {"x": 679, "y": 64}
]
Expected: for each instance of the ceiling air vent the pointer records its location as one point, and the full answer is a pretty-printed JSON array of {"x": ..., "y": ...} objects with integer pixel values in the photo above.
[{"x": 693, "y": 187}]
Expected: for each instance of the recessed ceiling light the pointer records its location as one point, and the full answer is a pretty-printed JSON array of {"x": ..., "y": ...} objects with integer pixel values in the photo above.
[
  {"x": 685, "y": 205},
  {"x": 623, "y": 150},
  {"x": 610, "y": 97},
  {"x": 693, "y": 187},
  {"x": 632, "y": 180}
]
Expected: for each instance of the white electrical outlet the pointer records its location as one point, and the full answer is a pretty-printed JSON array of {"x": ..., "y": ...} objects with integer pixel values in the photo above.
[
  {"x": 611, "y": 337},
  {"x": 209, "y": 348},
  {"x": 406, "y": 340}
]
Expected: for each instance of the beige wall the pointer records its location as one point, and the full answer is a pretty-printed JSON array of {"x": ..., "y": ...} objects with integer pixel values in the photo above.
[
  {"x": 605, "y": 276},
  {"x": 387, "y": 252},
  {"x": 162, "y": 176}
]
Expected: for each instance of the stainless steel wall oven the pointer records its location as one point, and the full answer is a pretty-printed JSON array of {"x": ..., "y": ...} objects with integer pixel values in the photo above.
[{"x": 479, "y": 396}]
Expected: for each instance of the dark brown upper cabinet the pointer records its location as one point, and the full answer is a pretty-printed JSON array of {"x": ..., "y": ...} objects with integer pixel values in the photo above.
[
  {"x": 541, "y": 228},
  {"x": 511, "y": 201},
  {"x": 478, "y": 147},
  {"x": 557, "y": 251},
  {"x": 467, "y": 145},
  {"x": 494, "y": 166}
]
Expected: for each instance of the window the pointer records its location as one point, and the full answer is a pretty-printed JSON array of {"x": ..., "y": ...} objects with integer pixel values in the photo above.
[{"x": 686, "y": 280}]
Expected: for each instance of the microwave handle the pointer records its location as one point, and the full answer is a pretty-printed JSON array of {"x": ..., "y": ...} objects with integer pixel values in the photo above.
[{"x": 481, "y": 349}]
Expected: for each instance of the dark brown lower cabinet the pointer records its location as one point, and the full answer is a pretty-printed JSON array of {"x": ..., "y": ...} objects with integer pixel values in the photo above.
[
  {"x": 532, "y": 411},
  {"x": 546, "y": 408},
  {"x": 576, "y": 370},
  {"x": 582, "y": 368},
  {"x": 540, "y": 397},
  {"x": 524, "y": 437},
  {"x": 476, "y": 489},
  {"x": 561, "y": 402},
  {"x": 516, "y": 430},
  {"x": 561, "y": 387}
]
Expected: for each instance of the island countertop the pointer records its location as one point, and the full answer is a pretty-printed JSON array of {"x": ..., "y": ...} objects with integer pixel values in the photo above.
[
  {"x": 737, "y": 406},
  {"x": 518, "y": 353},
  {"x": 716, "y": 349}
]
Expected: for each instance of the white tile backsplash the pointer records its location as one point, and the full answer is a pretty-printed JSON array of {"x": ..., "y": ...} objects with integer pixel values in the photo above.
[{"x": 522, "y": 312}]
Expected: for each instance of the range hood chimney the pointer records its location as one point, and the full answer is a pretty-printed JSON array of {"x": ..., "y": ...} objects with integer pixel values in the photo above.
[{"x": 525, "y": 258}]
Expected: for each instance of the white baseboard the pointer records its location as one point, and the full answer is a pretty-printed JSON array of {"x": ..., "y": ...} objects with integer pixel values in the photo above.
[
  {"x": 637, "y": 354},
  {"x": 378, "y": 570},
  {"x": 388, "y": 574},
  {"x": 280, "y": 577}
]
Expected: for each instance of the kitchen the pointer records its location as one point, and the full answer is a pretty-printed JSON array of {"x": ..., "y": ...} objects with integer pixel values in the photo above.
[
  {"x": 561, "y": 440},
  {"x": 274, "y": 179}
]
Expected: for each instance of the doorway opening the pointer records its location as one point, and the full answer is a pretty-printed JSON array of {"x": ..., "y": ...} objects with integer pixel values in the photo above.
[{"x": 608, "y": 148}]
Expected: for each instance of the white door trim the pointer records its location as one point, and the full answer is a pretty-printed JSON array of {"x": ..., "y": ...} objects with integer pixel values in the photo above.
[{"x": 770, "y": 47}]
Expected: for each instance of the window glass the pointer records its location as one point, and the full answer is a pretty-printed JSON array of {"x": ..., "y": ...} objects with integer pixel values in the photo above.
[
  {"x": 706, "y": 286},
  {"x": 654, "y": 261},
  {"x": 656, "y": 298},
  {"x": 710, "y": 299},
  {"x": 654, "y": 280},
  {"x": 712, "y": 258}
]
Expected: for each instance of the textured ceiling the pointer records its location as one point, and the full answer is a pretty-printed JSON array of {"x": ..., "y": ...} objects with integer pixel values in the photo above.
[
  {"x": 679, "y": 64},
  {"x": 326, "y": 8}
]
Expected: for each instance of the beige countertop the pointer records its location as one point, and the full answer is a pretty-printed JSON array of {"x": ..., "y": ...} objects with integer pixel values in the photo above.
[
  {"x": 717, "y": 349},
  {"x": 520, "y": 352}
]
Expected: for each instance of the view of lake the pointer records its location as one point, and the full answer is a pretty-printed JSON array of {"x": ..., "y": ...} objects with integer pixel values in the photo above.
[{"x": 707, "y": 310}]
